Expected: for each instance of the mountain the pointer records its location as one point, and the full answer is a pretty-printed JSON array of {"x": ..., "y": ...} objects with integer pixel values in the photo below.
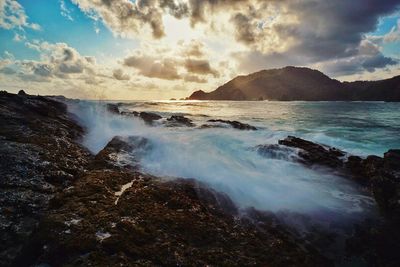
[{"x": 295, "y": 83}]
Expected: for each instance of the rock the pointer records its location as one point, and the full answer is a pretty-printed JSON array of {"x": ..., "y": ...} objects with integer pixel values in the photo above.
[
  {"x": 21, "y": 92},
  {"x": 209, "y": 126},
  {"x": 121, "y": 152},
  {"x": 392, "y": 159},
  {"x": 158, "y": 223},
  {"x": 38, "y": 157},
  {"x": 113, "y": 108},
  {"x": 236, "y": 124},
  {"x": 177, "y": 120},
  {"x": 313, "y": 153},
  {"x": 149, "y": 117},
  {"x": 275, "y": 151},
  {"x": 380, "y": 175}
]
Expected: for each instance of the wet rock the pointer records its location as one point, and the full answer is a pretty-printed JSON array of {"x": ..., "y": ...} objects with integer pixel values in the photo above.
[
  {"x": 209, "y": 126},
  {"x": 156, "y": 223},
  {"x": 121, "y": 152},
  {"x": 313, "y": 153},
  {"x": 275, "y": 151},
  {"x": 177, "y": 120},
  {"x": 392, "y": 159},
  {"x": 380, "y": 175},
  {"x": 236, "y": 124},
  {"x": 113, "y": 108},
  {"x": 149, "y": 117},
  {"x": 38, "y": 157}
]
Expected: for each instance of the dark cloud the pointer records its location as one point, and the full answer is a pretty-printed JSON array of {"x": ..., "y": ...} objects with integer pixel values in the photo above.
[
  {"x": 200, "y": 66},
  {"x": 379, "y": 61},
  {"x": 244, "y": 28},
  {"x": 278, "y": 33}
]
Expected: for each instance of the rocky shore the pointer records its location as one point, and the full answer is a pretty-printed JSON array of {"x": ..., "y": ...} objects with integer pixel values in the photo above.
[{"x": 63, "y": 206}]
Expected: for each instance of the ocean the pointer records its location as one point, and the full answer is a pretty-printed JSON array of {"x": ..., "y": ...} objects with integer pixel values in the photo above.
[{"x": 227, "y": 160}]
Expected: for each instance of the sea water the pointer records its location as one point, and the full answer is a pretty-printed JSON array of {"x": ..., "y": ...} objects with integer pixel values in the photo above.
[{"x": 227, "y": 159}]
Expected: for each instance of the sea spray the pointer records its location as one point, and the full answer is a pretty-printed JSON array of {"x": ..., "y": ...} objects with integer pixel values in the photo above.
[{"x": 227, "y": 160}]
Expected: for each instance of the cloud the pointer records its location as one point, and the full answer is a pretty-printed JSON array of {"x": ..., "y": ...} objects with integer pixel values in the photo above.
[
  {"x": 125, "y": 18},
  {"x": 200, "y": 66},
  {"x": 120, "y": 75},
  {"x": 12, "y": 15},
  {"x": 153, "y": 67},
  {"x": 194, "y": 79},
  {"x": 19, "y": 37},
  {"x": 65, "y": 12},
  {"x": 272, "y": 33},
  {"x": 194, "y": 48},
  {"x": 57, "y": 61}
]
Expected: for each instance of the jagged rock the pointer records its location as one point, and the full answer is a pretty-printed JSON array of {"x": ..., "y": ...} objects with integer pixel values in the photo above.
[
  {"x": 392, "y": 159},
  {"x": 313, "y": 153},
  {"x": 147, "y": 117},
  {"x": 380, "y": 175},
  {"x": 209, "y": 126},
  {"x": 38, "y": 157},
  {"x": 236, "y": 124},
  {"x": 121, "y": 152},
  {"x": 275, "y": 151},
  {"x": 21, "y": 92},
  {"x": 113, "y": 108},
  {"x": 177, "y": 120},
  {"x": 158, "y": 223}
]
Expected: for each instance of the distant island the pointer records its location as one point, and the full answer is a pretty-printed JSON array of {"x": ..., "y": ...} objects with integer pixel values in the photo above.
[{"x": 299, "y": 83}]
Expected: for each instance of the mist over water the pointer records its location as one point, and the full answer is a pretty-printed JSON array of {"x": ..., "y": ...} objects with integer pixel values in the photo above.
[{"x": 226, "y": 159}]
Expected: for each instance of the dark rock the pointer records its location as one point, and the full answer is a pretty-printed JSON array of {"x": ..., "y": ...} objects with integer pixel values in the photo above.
[
  {"x": 236, "y": 124},
  {"x": 209, "y": 126},
  {"x": 157, "y": 223},
  {"x": 121, "y": 152},
  {"x": 177, "y": 120},
  {"x": 275, "y": 151},
  {"x": 313, "y": 153},
  {"x": 149, "y": 117},
  {"x": 21, "y": 92},
  {"x": 113, "y": 108},
  {"x": 392, "y": 159},
  {"x": 380, "y": 175},
  {"x": 38, "y": 157}
]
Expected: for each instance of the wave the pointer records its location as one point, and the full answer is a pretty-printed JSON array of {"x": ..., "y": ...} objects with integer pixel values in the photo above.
[{"x": 226, "y": 160}]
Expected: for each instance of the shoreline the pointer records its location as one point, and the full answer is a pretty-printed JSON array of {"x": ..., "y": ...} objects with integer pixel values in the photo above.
[{"x": 77, "y": 222}]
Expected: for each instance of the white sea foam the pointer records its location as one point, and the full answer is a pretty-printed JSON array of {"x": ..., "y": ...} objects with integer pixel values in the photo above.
[{"x": 226, "y": 160}]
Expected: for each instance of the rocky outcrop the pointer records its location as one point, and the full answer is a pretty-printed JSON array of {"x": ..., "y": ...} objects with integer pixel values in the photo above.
[
  {"x": 178, "y": 120},
  {"x": 38, "y": 158},
  {"x": 113, "y": 108},
  {"x": 121, "y": 152},
  {"x": 155, "y": 223},
  {"x": 313, "y": 153},
  {"x": 235, "y": 124},
  {"x": 147, "y": 117},
  {"x": 62, "y": 206},
  {"x": 275, "y": 151},
  {"x": 380, "y": 175}
]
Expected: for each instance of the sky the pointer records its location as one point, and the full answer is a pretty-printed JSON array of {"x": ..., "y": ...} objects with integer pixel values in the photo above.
[{"x": 162, "y": 49}]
